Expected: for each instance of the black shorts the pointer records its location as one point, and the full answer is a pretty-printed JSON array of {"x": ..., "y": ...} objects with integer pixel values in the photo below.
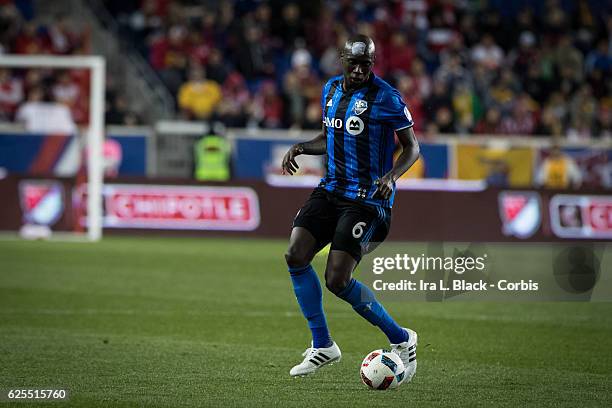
[{"x": 350, "y": 226}]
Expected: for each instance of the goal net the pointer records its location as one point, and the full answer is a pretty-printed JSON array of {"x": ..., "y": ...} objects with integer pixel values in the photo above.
[{"x": 33, "y": 183}]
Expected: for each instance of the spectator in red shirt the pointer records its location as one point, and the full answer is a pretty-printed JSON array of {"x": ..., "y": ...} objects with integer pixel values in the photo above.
[
  {"x": 522, "y": 121},
  {"x": 489, "y": 124},
  {"x": 408, "y": 87},
  {"x": 61, "y": 39},
  {"x": 29, "y": 41},
  {"x": 169, "y": 56},
  {"x": 11, "y": 93},
  {"x": 232, "y": 109},
  {"x": 267, "y": 106},
  {"x": 66, "y": 90},
  {"x": 400, "y": 53}
]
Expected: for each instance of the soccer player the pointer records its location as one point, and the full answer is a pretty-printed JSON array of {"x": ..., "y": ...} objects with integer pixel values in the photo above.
[{"x": 351, "y": 207}]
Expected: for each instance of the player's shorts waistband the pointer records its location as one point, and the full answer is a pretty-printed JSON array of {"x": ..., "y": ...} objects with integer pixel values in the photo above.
[{"x": 337, "y": 196}]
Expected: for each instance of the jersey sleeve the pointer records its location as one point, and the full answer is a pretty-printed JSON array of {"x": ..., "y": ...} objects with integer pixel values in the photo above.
[{"x": 394, "y": 112}]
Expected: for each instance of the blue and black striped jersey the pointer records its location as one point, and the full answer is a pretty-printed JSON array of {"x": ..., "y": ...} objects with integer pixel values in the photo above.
[{"x": 360, "y": 126}]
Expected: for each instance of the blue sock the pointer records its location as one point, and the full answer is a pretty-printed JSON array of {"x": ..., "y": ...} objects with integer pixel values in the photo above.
[
  {"x": 308, "y": 292},
  {"x": 364, "y": 302}
]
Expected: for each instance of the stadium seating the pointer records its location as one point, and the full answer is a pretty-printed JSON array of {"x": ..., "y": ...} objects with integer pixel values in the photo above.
[
  {"x": 23, "y": 31},
  {"x": 509, "y": 68}
]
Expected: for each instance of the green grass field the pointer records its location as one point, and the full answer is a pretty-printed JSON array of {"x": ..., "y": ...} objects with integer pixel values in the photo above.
[{"x": 200, "y": 322}]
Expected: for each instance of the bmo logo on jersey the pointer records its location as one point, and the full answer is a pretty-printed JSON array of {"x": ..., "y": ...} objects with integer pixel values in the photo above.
[
  {"x": 354, "y": 124},
  {"x": 333, "y": 123}
]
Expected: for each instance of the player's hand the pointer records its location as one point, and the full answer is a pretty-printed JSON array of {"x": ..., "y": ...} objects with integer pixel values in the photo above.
[
  {"x": 385, "y": 186},
  {"x": 289, "y": 165}
]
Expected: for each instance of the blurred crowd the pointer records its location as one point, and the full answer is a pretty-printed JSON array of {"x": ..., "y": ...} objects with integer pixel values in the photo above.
[
  {"x": 25, "y": 93},
  {"x": 463, "y": 66},
  {"x": 502, "y": 67}
]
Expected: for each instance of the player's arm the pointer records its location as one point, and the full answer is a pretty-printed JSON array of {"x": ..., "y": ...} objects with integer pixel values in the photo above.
[
  {"x": 409, "y": 155},
  {"x": 316, "y": 146}
]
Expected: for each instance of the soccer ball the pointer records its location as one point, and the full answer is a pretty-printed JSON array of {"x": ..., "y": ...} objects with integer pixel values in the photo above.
[{"x": 382, "y": 369}]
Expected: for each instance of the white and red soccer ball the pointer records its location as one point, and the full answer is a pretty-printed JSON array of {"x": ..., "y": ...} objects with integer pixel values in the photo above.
[{"x": 382, "y": 370}]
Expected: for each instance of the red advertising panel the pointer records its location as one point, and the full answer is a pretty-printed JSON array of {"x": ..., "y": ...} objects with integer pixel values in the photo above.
[
  {"x": 256, "y": 209},
  {"x": 180, "y": 207},
  {"x": 581, "y": 216}
]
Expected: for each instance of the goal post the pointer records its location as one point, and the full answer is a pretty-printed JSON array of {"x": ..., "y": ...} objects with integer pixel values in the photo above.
[{"x": 95, "y": 134}]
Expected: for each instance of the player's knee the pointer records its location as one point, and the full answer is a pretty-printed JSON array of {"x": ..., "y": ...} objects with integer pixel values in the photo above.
[
  {"x": 336, "y": 283},
  {"x": 296, "y": 258}
]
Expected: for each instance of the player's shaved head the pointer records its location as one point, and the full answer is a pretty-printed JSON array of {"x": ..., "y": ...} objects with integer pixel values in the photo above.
[
  {"x": 357, "y": 56},
  {"x": 359, "y": 46}
]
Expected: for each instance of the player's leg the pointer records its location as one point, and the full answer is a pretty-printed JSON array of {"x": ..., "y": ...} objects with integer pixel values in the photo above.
[
  {"x": 339, "y": 280},
  {"x": 357, "y": 233},
  {"x": 311, "y": 231},
  {"x": 306, "y": 285}
]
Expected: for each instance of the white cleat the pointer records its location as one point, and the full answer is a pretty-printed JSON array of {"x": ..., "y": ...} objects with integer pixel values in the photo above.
[
  {"x": 407, "y": 352},
  {"x": 315, "y": 358}
]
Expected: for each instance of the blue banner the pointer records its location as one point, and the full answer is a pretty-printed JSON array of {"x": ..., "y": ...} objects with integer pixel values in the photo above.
[
  {"x": 63, "y": 156},
  {"x": 254, "y": 158}
]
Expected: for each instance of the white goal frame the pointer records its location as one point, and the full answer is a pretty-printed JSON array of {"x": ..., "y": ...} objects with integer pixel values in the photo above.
[{"x": 95, "y": 134}]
